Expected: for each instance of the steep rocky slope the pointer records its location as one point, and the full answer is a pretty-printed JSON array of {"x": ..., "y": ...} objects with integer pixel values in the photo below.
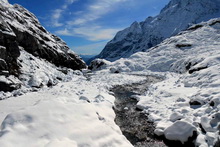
[
  {"x": 21, "y": 32},
  {"x": 174, "y": 17}
]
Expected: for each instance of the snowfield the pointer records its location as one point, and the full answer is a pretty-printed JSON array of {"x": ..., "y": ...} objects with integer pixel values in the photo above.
[
  {"x": 189, "y": 94},
  {"x": 59, "y": 107},
  {"x": 74, "y": 113}
]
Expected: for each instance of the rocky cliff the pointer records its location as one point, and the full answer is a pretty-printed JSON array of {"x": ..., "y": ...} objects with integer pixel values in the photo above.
[
  {"x": 21, "y": 30},
  {"x": 174, "y": 17},
  {"x": 19, "y": 27}
]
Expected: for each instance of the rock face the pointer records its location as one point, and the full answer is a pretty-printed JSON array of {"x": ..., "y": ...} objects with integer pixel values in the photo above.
[
  {"x": 22, "y": 34},
  {"x": 176, "y": 16},
  {"x": 20, "y": 28}
]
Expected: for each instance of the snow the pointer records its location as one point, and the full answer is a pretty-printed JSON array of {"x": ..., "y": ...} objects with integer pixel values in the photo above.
[
  {"x": 180, "y": 130},
  {"x": 176, "y": 16},
  {"x": 189, "y": 65},
  {"x": 74, "y": 113},
  {"x": 77, "y": 109}
]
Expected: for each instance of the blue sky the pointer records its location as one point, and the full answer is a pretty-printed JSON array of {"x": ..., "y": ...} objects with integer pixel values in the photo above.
[{"x": 87, "y": 25}]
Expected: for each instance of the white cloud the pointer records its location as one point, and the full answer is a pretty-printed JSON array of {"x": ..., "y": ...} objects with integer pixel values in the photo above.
[
  {"x": 96, "y": 33},
  {"x": 92, "y": 33},
  {"x": 95, "y": 11},
  {"x": 85, "y": 24},
  {"x": 64, "y": 32},
  {"x": 57, "y": 13}
]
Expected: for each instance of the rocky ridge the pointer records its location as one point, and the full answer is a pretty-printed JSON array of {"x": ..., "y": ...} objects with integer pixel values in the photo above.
[
  {"x": 21, "y": 30},
  {"x": 178, "y": 15}
]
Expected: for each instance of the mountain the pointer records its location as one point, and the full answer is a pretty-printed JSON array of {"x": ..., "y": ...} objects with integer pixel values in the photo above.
[
  {"x": 87, "y": 58},
  {"x": 176, "y": 16},
  {"x": 22, "y": 35},
  {"x": 176, "y": 85},
  {"x": 186, "y": 103}
]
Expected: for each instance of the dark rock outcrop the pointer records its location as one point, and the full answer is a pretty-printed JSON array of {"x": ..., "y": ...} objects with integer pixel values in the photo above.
[
  {"x": 97, "y": 64},
  {"x": 19, "y": 27}
]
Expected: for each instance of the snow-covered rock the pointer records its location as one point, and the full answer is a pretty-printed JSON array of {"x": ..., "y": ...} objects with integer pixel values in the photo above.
[
  {"x": 178, "y": 15},
  {"x": 180, "y": 131},
  {"x": 21, "y": 32},
  {"x": 98, "y": 64}
]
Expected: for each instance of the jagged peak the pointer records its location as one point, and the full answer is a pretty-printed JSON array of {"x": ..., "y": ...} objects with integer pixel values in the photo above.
[{"x": 176, "y": 16}]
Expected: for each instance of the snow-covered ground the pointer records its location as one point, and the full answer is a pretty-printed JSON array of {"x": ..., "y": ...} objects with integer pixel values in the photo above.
[
  {"x": 74, "y": 113},
  {"x": 78, "y": 110},
  {"x": 187, "y": 101}
]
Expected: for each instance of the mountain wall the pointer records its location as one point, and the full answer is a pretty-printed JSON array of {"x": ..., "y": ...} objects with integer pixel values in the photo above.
[
  {"x": 21, "y": 32},
  {"x": 19, "y": 27},
  {"x": 178, "y": 15}
]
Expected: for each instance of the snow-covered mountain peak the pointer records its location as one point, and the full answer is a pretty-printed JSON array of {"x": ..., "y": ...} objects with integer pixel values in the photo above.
[{"x": 176, "y": 16}]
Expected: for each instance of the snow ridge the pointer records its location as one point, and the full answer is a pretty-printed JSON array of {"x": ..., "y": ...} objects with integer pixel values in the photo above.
[{"x": 176, "y": 16}]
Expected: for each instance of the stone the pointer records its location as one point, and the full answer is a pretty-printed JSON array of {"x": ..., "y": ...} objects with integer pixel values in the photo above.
[{"x": 3, "y": 65}]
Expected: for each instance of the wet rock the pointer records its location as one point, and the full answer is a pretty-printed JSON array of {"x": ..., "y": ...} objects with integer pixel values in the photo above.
[{"x": 195, "y": 102}]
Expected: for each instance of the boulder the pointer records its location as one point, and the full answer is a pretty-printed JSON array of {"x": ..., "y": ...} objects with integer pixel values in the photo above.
[{"x": 180, "y": 131}]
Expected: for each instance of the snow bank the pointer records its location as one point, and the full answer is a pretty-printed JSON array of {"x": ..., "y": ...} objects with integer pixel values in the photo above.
[
  {"x": 75, "y": 113},
  {"x": 58, "y": 123}
]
